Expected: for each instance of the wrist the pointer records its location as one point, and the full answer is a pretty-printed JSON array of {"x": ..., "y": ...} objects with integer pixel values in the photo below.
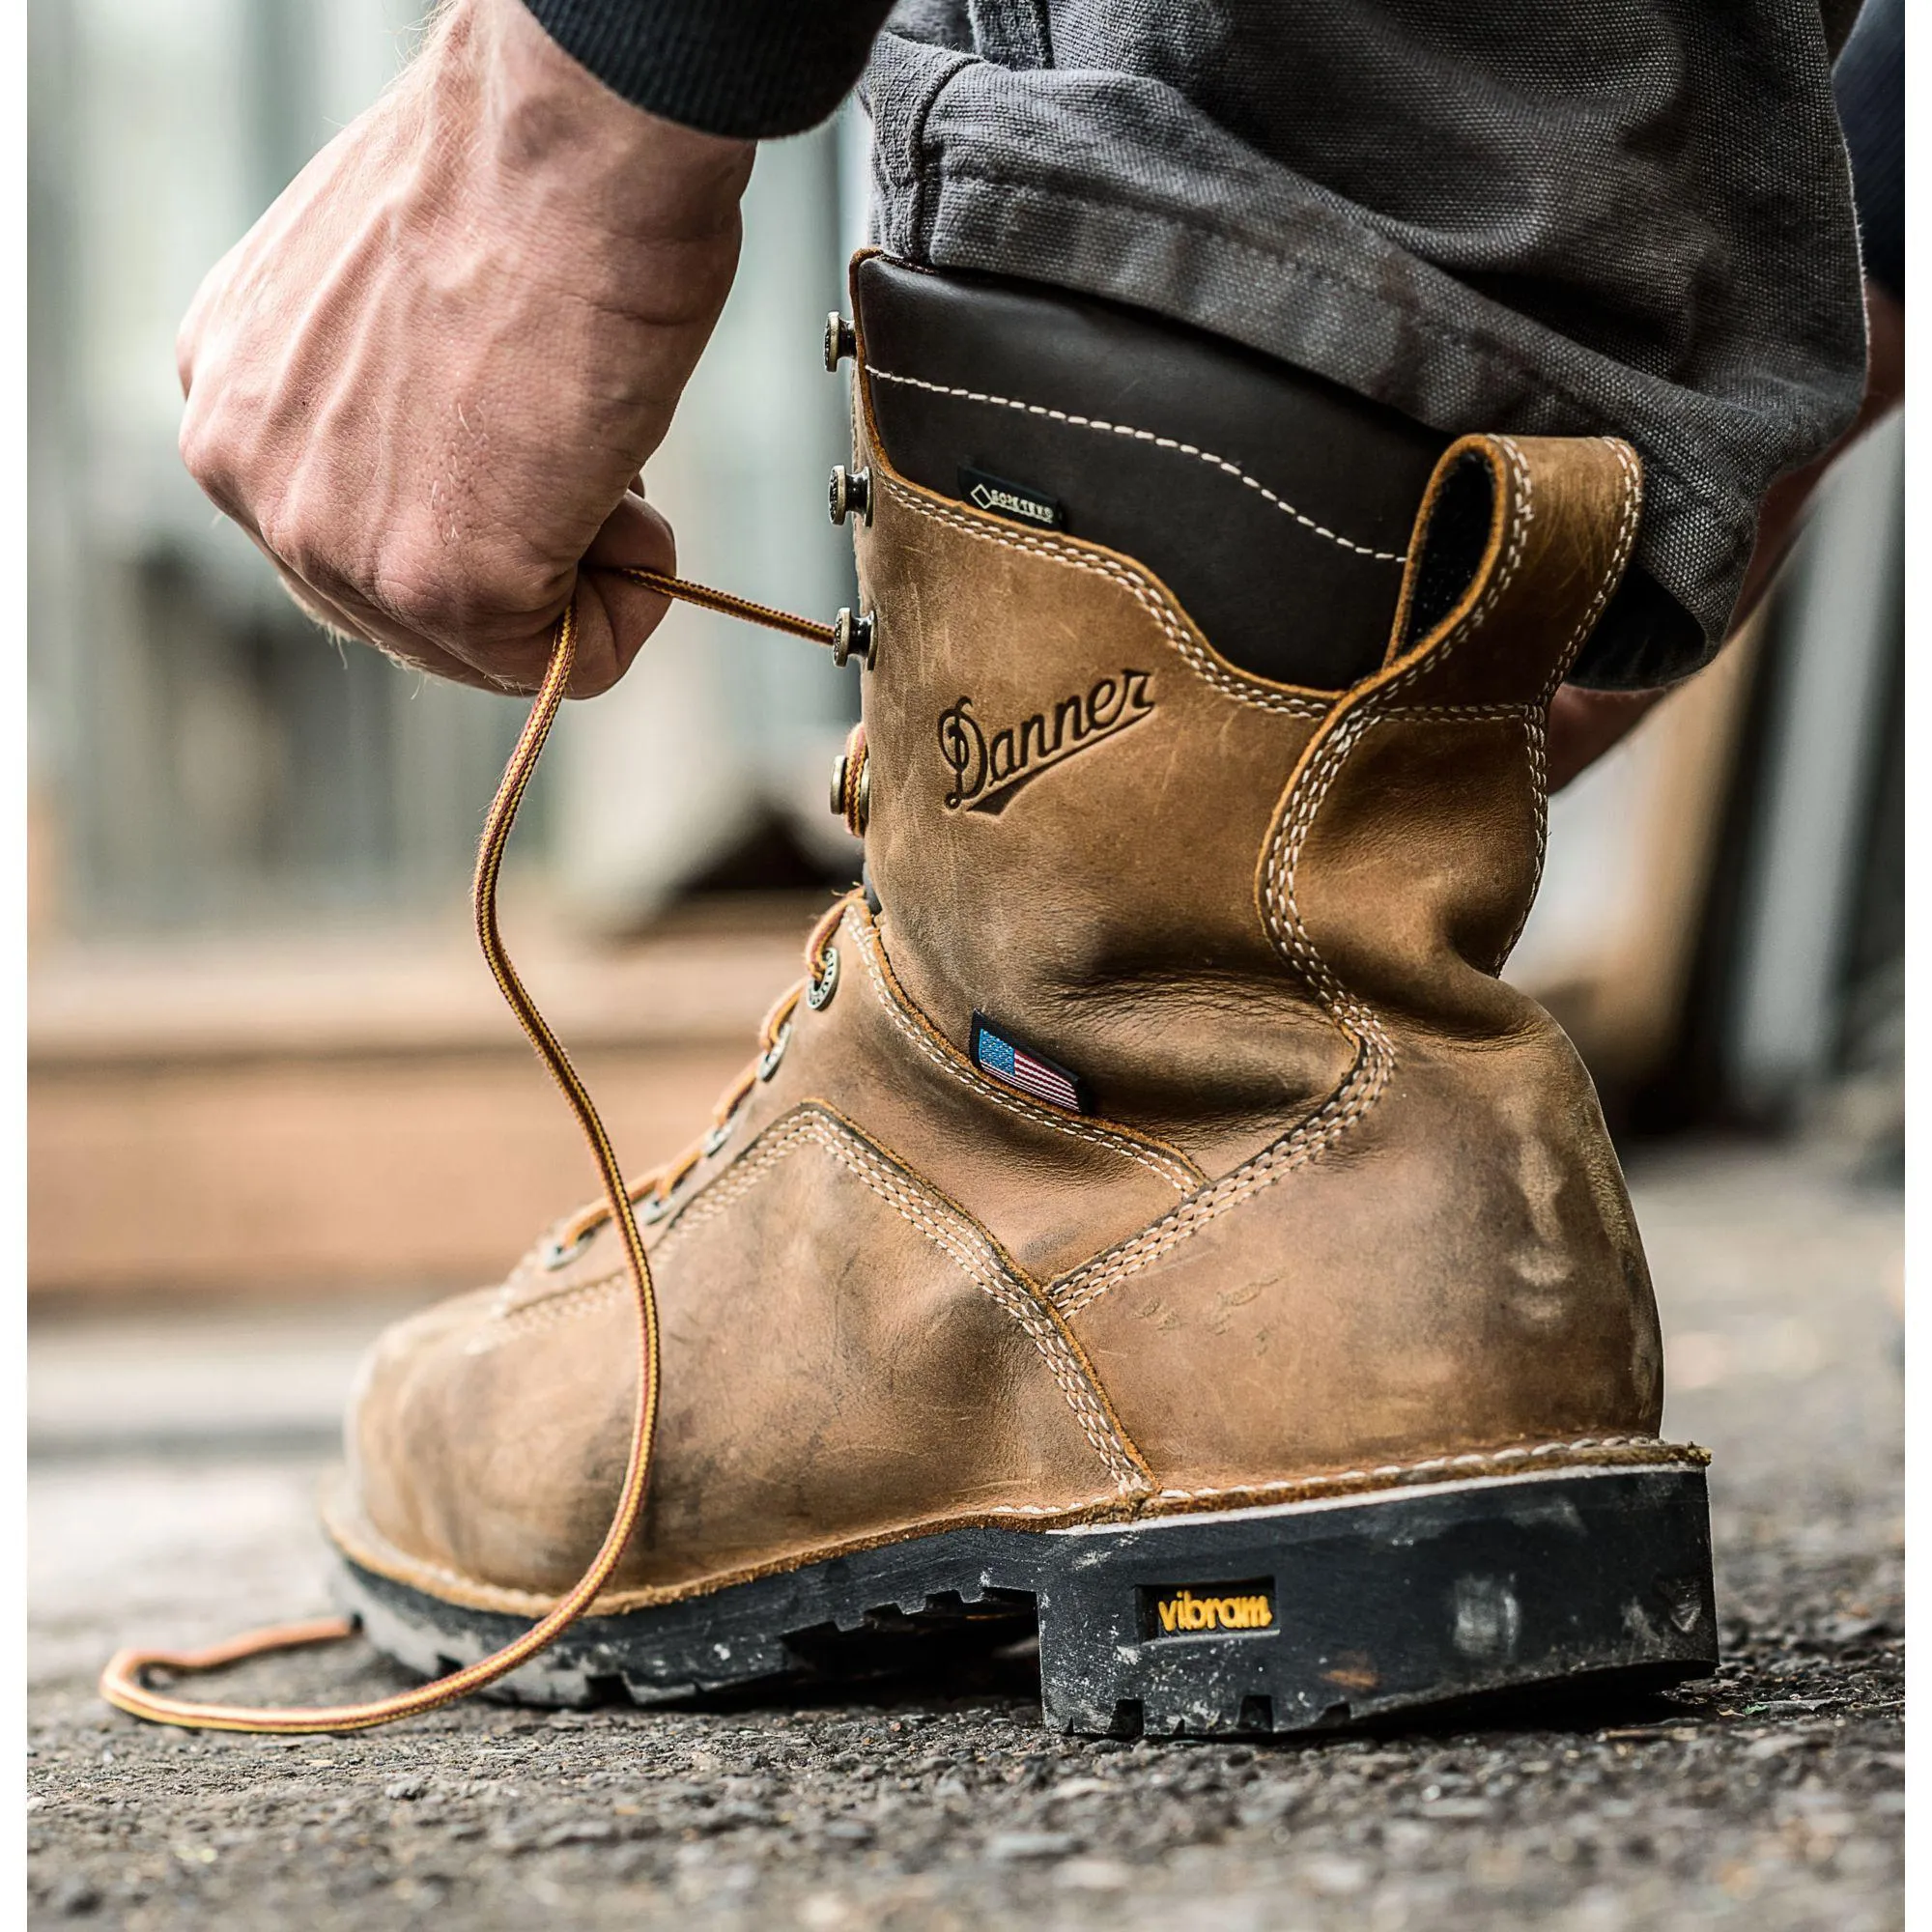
[{"x": 582, "y": 155}]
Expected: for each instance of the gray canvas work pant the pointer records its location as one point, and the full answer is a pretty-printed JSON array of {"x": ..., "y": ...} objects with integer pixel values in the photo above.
[{"x": 1631, "y": 217}]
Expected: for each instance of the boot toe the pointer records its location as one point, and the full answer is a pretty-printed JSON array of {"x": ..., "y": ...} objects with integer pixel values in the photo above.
[{"x": 475, "y": 1453}]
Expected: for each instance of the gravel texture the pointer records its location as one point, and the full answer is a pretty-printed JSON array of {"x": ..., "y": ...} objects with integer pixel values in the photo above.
[{"x": 1769, "y": 1797}]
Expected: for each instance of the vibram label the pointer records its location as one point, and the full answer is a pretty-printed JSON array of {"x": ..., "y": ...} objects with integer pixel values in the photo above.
[{"x": 1194, "y": 1609}]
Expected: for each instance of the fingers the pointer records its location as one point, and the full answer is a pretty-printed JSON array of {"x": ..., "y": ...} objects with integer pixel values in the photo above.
[
  {"x": 423, "y": 380},
  {"x": 417, "y": 654},
  {"x": 614, "y": 615}
]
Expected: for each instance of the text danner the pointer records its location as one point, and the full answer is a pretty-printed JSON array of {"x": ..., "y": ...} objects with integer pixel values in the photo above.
[{"x": 987, "y": 770}]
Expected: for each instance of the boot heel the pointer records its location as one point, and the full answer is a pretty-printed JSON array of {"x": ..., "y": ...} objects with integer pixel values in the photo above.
[{"x": 1308, "y": 1615}]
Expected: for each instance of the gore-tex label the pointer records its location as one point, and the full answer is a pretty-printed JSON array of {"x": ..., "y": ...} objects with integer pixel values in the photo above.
[{"x": 1003, "y": 498}]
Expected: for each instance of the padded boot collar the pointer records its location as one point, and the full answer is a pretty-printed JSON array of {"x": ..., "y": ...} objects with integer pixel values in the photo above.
[{"x": 1274, "y": 505}]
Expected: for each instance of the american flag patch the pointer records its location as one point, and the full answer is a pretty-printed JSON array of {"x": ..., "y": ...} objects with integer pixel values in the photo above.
[{"x": 1006, "y": 1061}]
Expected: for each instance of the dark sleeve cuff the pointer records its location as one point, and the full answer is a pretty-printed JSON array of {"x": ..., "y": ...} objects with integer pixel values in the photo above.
[{"x": 744, "y": 69}]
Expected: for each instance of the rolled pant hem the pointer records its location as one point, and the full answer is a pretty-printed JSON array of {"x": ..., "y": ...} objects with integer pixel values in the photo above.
[{"x": 1384, "y": 341}]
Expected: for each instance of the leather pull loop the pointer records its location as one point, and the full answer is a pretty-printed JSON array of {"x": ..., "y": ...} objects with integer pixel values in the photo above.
[
  {"x": 1521, "y": 539},
  {"x": 124, "y": 1683}
]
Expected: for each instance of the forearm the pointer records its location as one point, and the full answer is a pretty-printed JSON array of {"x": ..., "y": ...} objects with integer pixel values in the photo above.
[{"x": 425, "y": 379}]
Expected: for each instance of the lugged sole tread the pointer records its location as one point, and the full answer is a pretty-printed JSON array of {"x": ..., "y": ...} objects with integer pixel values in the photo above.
[{"x": 1298, "y": 1617}]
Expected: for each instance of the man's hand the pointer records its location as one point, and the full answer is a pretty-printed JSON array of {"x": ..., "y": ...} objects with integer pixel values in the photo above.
[{"x": 426, "y": 380}]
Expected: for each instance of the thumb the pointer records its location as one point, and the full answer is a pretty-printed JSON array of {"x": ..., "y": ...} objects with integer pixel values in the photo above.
[{"x": 614, "y": 615}]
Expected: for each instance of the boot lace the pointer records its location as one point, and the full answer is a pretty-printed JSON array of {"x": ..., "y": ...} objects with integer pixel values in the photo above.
[{"x": 124, "y": 1683}]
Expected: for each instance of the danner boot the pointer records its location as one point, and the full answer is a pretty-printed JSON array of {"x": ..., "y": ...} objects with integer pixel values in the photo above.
[{"x": 1152, "y": 1215}]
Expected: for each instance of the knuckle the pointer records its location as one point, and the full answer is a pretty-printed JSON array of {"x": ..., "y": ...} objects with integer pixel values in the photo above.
[
  {"x": 203, "y": 450},
  {"x": 424, "y": 586},
  {"x": 289, "y": 538},
  {"x": 452, "y": 591}
]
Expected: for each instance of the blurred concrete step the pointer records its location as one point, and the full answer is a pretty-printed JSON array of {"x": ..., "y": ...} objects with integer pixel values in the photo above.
[
  {"x": 270, "y": 1118},
  {"x": 229, "y": 1380}
]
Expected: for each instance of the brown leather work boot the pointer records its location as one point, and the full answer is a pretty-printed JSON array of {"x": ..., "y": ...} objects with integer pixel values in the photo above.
[{"x": 1152, "y": 1213}]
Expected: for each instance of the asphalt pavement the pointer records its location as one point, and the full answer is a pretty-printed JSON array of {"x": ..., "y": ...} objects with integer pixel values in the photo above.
[{"x": 179, "y": 1508}]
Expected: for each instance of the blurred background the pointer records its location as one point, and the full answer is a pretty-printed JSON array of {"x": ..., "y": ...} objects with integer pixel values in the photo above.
[
  {"x": 274, "y": 1097},
  {"x": 264, "y": 1059}
]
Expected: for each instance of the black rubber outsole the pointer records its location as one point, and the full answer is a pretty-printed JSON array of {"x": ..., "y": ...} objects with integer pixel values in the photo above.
[{"x": 1300, "y": 1616}]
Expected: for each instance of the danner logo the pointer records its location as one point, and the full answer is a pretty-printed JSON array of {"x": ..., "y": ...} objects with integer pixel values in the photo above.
[
  {"x": 1182, "y": 1612},
  {"x": 987, "y": 770}
]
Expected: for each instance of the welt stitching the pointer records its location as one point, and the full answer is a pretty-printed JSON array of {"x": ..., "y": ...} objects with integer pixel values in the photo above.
[
  {"x": 1262, "y": 698},
  {"x": 1649, "y": 1449},
  {"x": 1168, "y": 1170},
  {"x": 1652, "y": 1447},
  {"x": 529, "y": 1601},
  {"x": 967, "y": 1251},
  {"x": 1158, "y": 442}
]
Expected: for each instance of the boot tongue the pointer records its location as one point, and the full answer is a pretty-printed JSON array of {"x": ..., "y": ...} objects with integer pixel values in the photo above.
[{"x": 1275, "y": 505}]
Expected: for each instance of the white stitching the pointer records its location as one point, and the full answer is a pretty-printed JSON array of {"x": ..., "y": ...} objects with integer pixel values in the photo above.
[
  {"x": 1456, "y": 712},
  {"x": 1245, "y": 691},
  {"x": 1177, "y": 1176},
  {"x": 1522, "y": 514},
  {"x": 1536, "y": 735},
  {"x": 970, "y": 1252},
  {"x": 1619, "y": 559},
  {"x": 952, "y": 1235},
  {"x": 1147, "y": 436},
  {"x": 1375, "y": 1060},
  {"x": 1484, "y": 1459},
  {"x": 542, "y": 1312},
  {"x": 959, "y": 1240},
  {"x": 1360, "y": 1087}
]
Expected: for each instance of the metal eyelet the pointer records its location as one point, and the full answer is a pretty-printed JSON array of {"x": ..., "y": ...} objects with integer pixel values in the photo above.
[
  {"x": 821, "y": 986},
  {"x": 653, "y": 1209},
  {"x": 774, "y": 1053},
  {"x": 840, "y": 341},
  {"x": 717, "y": 1136},
  {"x": 856, "y": 636},
  {"x": 849, "y": 493},
  {"x": 852, "y": 783},
  {"x": 552, "y": 1255}
]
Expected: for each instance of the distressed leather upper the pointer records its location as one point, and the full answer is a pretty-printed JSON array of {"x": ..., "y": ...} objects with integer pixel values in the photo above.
[{"x": 1343, "y": 1207}]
